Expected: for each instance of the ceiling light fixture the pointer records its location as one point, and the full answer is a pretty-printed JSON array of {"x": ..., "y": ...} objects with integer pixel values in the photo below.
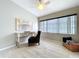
[{"x": 41, "y": 4}]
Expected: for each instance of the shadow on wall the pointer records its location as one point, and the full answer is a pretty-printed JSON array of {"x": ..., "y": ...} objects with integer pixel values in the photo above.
[{"x": 7, "y": 40}]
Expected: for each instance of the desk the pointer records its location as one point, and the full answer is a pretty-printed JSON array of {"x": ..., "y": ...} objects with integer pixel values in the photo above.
[{"x": 23, "y": 34}]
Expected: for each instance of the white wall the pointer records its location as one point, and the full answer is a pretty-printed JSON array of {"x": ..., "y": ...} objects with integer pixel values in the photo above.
[
  {"x": 61, "y": 13},
  {"x": 8, "y": 12}
]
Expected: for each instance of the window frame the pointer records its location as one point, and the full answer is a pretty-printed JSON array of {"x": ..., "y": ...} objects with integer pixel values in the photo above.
[{"x": 59, "y": 18}]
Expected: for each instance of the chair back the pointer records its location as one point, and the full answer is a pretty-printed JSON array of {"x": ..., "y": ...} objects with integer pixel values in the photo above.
[
  {"x": 66, "y": 38},
  {"x": 38, "y": 36}
]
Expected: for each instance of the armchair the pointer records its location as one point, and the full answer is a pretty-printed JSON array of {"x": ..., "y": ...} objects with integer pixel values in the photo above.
[{"x": 35, "y": 39}]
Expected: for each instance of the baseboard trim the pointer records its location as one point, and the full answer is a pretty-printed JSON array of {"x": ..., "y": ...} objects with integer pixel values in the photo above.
[{"x": 1, "y": 49}]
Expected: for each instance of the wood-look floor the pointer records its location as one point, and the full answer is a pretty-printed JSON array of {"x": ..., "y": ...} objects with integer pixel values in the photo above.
[{"x": 47, "y": 49}]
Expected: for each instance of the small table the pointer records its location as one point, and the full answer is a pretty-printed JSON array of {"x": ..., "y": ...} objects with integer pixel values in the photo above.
[{"x": 74, "y": 47}]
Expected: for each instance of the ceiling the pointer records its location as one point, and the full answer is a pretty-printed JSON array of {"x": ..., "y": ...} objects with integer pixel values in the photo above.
[{"x": 54, "y": 6}]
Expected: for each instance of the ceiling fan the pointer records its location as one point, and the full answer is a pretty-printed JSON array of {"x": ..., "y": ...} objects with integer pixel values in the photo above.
[{"x": 42, "y": 3}]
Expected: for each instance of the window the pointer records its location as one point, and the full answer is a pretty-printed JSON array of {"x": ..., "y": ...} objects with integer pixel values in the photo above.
[
  {"x": 43, "y": 26},
  {"x": 73, "y": 24},
  {"x": 52, "y": 26},
  {"x": 64, "y": 25}
]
